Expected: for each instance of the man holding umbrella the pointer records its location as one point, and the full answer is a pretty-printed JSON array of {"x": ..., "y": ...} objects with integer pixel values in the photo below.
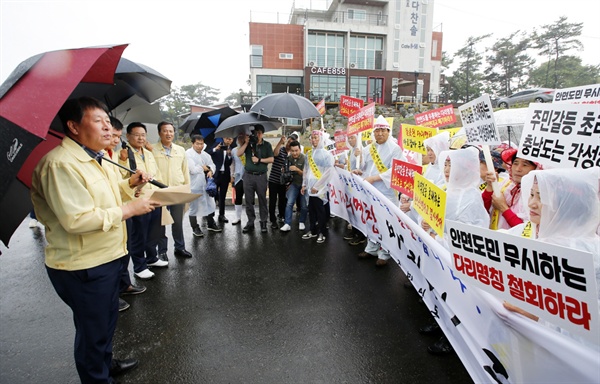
[
  {"x": 258, "y": 154},
  {"x": 77, "y": 197}
]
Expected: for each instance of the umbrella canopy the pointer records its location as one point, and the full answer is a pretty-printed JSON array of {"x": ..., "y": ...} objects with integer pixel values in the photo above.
[
  {"x": 286, "y": 105},
  {"x": 234, "y": 125},
  {"x": 207, "y": 123},
  {"x": 30, "y": 98},
  {"x": 137, "y": 109}
]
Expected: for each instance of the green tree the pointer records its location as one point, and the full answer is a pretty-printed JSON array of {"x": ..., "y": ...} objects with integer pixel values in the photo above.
[
  {"x": 178, "y": 101},
  {"x": 508, "y": 64},
  {"x": 557, "y": 39},
  {"x": 234, "y": 99},
  {"x": 466, "y": 82},
  {"x": 567, "y": 71}
]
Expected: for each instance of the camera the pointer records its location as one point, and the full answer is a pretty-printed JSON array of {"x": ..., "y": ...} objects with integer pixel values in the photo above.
[
  {"x": 253, "y": 139},
  {"x": 286, "y": 175}
]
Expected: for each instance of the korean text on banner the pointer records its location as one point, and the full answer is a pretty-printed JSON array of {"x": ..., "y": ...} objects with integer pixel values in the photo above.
[
  {"x": 555, "y": 283},
  {"x": 349, "y": 105},
  {"x": 413, "y": 136},
  {"x": 587, "y": 94},
  {"x": 478, "y": 120},
  {"x": 340, "y": 140},
  {"x": 361, "y": 120},
  {"x": 436, "y": 118},
  {"x": 321, "y": 107},
  {"x": 562, "y": 135},
  {"x": 430, "y": 202},
  {"x": 403, "y": 178}
]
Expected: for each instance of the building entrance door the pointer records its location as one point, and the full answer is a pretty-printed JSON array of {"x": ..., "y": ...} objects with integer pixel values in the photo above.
[{"x": 375, "y": 90}]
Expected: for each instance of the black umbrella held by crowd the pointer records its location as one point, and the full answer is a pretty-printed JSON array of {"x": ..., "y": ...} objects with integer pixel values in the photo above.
[
  {"x": 285, "y": 105},
  {"x": 209, "y": 121},
  {"x": 241, "y": 123}
]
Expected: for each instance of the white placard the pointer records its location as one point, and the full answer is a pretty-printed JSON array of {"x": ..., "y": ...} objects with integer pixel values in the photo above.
[
  {"x": 587, "y": 94},
  {"x": 562, "y": 135},
  {"x": 478, "y": 121}
]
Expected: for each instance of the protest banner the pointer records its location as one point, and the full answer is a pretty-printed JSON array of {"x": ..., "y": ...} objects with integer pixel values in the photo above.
[
  {"x": 321, "y": 107},
  {"x": 494, "y": 345},
  {"x": 403, "y": 178},
  {"x": 562, "y": 135},
  {"x": 557, "y": 284},
  {"x": 436, "y": 118},
  {"x": 349, "y": 105},
  {"x": 586, "y": 94},
  {"x": 413, "y": 137},
  {"x": 361, "y": 120},
  {"x": 480, "y": 127},
  {"x": 340, "y": 140},
  {"x": 478, "y": 121},
  {"x": 430, "y": 202}
]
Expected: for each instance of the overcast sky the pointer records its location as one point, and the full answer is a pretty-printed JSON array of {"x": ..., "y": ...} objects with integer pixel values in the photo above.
[{"x": 192, "y": 41}]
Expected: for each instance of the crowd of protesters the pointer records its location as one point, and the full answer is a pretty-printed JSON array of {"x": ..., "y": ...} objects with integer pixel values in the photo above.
[{"x": 555, "y": 206}]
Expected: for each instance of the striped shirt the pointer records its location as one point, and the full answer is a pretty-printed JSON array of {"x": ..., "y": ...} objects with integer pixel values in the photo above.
[{"x": 276, "y": 167}]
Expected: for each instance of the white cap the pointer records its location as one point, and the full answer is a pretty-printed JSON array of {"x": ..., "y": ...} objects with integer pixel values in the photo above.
[{"x": 381, "y": 122}]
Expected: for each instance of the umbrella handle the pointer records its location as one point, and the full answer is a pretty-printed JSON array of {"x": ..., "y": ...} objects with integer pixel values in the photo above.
[{"x": 152, "y": 181}]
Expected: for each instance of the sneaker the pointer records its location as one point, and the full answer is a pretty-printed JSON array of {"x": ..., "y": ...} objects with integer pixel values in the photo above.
[
  {"x": 33, "y": 223},
  {"x": 146, "y": 274},
  {"x": 321, "y": 238},
  {"x": 274, "y": 225},
  {"x": 236, "y": 221},
  {"x": 198, "y": 232},
  {"x": 134, "y": 290},
  {"x": 159, "y": 264},
  {"x": 302, "y": 227},
  {"x": 223, "y": 219},
  {"x": 163, "y": 256},
  {"x": 248, "y": 228},
  {"x": 123, "y": 305},
  {"x": 214, "y": 227},
  {"x": 357, "y": 240},
  {"x": 285, "y": 228},
  {"x": 349, "y": 236},
  {"x": 308, "y": 236},
  {"x": 381, "y": 263}
]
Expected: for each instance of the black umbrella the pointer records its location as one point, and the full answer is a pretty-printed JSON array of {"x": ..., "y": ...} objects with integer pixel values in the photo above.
[
  {"x": 286, "y": 105},
  {"x": 234, "y": 125},
  {"x": 209, "y": 121}
]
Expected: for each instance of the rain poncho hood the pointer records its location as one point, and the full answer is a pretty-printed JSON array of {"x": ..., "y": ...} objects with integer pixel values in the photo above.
[
  {"x": 435, "y": 170},
  {"x": 570, "y": 206},
  {"x": 323, "y": 159},
  {"x": 463, "y": 197}
]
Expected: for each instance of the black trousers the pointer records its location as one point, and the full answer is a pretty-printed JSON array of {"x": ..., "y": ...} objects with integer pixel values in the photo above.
[
  {"x": 222, "y": 185},
  {"x": 317, "y": 215},
  {"x": 276, "y": 199}
]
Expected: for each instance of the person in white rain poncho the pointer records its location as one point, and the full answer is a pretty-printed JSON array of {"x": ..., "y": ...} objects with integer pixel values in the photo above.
[
  {"x": 463, "y": 196},
  {"x": 564, "y": 209},
  {"x": 315, "y": 183},
  {"x": 434, "y": 146},
  {"x": 377, "y": 170},
  {"x": 201, "y": 166}
]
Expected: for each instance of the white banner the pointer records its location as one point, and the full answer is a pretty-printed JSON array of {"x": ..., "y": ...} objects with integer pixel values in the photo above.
[
  {"x": 562, "y": 135},
  {"x": 494, "y": 345},
  {"x": 587, "y": 94},
  {"x": 555, "y": 283},
  {"x": 478, "y": 121}
]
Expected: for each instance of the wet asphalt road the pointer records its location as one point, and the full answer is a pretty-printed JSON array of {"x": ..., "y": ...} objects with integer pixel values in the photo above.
[{"x": 259, "y": 308}]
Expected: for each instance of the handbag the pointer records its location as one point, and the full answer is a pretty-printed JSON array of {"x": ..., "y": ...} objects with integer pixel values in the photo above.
[{"x": 211, "y": 187}]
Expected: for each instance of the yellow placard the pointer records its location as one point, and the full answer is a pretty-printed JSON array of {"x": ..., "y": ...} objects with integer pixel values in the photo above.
[
  {"x": 413, "y": 136},
  {"x": 430, "y": 202}
]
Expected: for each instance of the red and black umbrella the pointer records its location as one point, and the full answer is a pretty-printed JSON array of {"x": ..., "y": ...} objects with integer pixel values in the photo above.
[{"x": 29, "y": 101}]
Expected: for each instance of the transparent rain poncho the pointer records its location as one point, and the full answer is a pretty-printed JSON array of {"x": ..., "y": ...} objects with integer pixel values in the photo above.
[
  {"x": 324, "y": 162},
  {"x": 435, "y": 170},
  {"x": 463, "y": 197},
  {"x": 570, "y": 212}
]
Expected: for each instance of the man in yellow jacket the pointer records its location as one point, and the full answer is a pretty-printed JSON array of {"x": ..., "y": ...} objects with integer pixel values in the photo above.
[
  {"x": 77, "y": 197},
  {"x": 173, "y": 168}
]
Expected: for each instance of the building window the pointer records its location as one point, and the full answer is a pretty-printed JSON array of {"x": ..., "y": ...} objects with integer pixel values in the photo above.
[
  {"x": 366, "y": 52},
  {"x": 357, "y": 14},
  {"x": 358, "y": 87},
  {"x": 278, "y": 84},
  {"x": 286, "y": 56},
  {"x": 256, "y": 56},
  {"x": 329, "y": 88},
  {"x": 326, "y": 49}
]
